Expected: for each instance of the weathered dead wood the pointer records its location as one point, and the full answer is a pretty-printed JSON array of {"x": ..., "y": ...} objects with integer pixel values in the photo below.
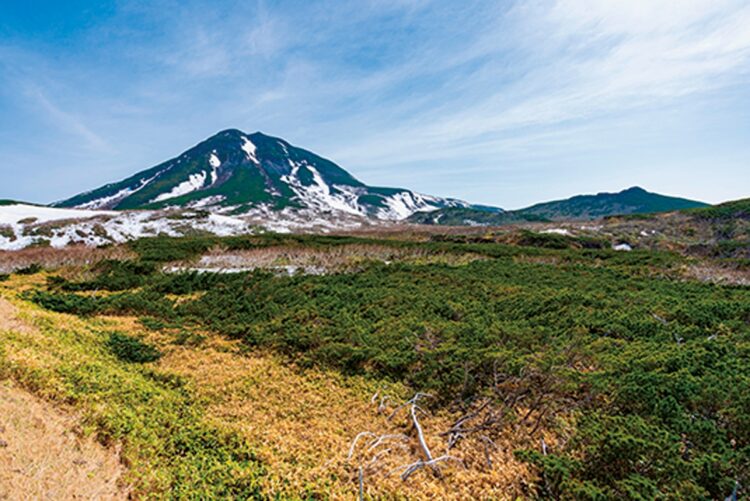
[
  {"x": 384, "y": 438},
  {"x": 420, "y": 434},
  {"x": 489, "y": 446},
  {"x": 410, "y": 469},
  {"x": 354, "y": 442}
]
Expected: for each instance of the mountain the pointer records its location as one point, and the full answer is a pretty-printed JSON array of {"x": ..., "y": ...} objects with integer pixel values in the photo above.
[
  {"x": 634, "y": 200},
  {"x": 582, "y": 207},
  {"x": 238, "y": 173}
]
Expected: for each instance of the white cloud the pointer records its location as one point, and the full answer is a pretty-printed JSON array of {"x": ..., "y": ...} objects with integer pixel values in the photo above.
[{"x": 592, "y": 58}]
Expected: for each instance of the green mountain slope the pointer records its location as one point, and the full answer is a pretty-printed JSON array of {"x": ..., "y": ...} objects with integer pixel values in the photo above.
[{"x": 736, "y": 209}]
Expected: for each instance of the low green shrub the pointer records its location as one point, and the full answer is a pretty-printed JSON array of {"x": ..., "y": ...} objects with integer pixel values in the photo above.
[
  {"x": 67, "y": 303},
  {"x": 31, "y": 269},
  {"x": 131, "y": 349}
]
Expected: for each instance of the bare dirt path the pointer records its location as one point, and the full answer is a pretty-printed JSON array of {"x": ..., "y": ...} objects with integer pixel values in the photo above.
[{"x": 41, "y": 455}]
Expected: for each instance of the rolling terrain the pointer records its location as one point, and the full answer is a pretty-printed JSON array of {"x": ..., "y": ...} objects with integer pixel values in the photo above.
[
  {"x": 235, "y": 183},
  {"x": 290, "y": 366}
]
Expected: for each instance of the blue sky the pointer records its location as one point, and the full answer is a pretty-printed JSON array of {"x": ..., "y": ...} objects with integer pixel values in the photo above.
[{"x": 496, "y": 102}]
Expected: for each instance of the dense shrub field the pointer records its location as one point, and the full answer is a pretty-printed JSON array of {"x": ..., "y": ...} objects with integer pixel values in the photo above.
[{"x": 644, "y": 377}]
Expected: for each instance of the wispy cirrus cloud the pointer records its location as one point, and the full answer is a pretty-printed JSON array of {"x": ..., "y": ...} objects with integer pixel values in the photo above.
[
  {"x": 68, "y": 121},
  {"x": 591, "y": 59},
  {"x": 529, "y": 96}
]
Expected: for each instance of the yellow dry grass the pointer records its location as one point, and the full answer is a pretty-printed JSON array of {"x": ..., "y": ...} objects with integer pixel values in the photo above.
[{"x": 299, "y": 422}]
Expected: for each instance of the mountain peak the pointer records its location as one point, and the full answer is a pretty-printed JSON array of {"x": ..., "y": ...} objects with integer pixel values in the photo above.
[
  {"x": 233, "y": 171},
  {"x": 633, "y": 190},
  {"x": 238, "y": 132}
]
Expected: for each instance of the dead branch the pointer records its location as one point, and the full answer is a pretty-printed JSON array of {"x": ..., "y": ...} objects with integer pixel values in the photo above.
[
  {"x": 384, "y": 438},
  {"x": 488, "y": 444},
  {"x": 420, "y": 432},
  {"x": 411, "y": 468},
  {"x": 382, "y": 407},
  {"x": 539, "y": 420},
  {"x": 356, "y": 439}
]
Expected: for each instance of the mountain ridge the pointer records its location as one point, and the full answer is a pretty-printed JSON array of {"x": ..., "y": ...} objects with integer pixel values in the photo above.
[{"x": 633, "y": 200}]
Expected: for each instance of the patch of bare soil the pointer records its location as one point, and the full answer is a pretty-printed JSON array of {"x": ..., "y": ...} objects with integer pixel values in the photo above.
[
  {"x": 718, "y": 275},
  {"x": 9, "y": 318},
  {"x": 41, "y": 457}
]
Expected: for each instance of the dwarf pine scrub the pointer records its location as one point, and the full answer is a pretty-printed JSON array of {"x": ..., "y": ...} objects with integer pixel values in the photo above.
[{"x": 634, "y": 378}]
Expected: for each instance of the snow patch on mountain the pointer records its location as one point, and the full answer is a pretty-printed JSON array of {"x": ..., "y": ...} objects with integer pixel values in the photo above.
[
  {"x": 558, "y": 231},
  {"x": 112, "y": 199},
  {"x": 25, "y": 225},
  {"x": 194, "y": 182},
  {"x": 249, "y": 148},
  {"x": 404, "y": 204},
  {"x": 215, "y": 163},
  {"x": 213, "y": 160},
  {"x": 319, "y": 195},
  {"x": 207, "y": 201},
  {"x": 290, "y": 220}
]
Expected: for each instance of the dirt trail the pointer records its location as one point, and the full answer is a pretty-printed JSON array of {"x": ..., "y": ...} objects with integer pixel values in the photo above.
[
  {"x": 41, "y": 457},
  {"x": 9, "y": 318}
]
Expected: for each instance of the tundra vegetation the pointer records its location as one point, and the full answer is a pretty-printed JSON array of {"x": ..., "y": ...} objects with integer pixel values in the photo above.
[{"x": 454, "y": 366}]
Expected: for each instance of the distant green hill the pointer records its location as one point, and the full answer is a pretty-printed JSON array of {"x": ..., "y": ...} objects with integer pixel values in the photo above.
[
  {"x": 582, "y": 207},
  {"x": 7, "y": 201},
  {"x": 631, "y": 201}
]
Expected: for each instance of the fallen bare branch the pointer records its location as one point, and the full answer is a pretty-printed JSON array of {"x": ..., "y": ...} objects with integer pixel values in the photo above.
[
  {"x": 488, "y": 444},
  {"x": 411, "y": 468},
  {"x": 420, "y": 433},
  {"x": 382, "y": 407},
  {"x": 356, "y": 439},
  {"x": 384, "y": 438}
]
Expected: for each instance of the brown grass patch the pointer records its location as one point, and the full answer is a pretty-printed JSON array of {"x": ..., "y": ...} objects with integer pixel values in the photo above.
[
  {"x": 706, "y": 272},
  {"x": 9, "y": 318},
  {"x": 330, "y": 259},
  {"x": 51, "y": 258}
]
